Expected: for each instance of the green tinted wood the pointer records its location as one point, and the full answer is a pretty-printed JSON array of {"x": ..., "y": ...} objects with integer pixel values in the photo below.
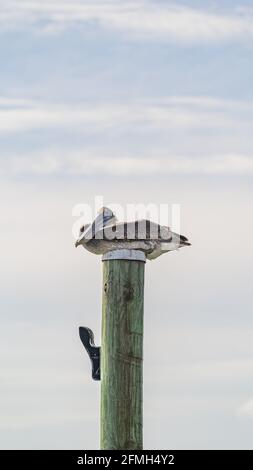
[{"x": 122, "y": 354}]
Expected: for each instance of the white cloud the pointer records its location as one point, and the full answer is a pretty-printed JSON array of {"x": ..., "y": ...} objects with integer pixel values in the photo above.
[
  {"x": 36, "y": 115},
  {"x": 15, "y": 102},
  {"x": 89, "y": 163},
  {"x": 141, "y": 19},
  {"x": 176, "y": 113},
  {"x": 206, "y": 102},
  {"x": 172, "y": 113}
]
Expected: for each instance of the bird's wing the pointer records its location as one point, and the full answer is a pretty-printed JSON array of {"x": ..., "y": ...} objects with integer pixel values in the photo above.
[
  {"x": 138, "y": 230},
  {"x": 88, "y": 231}
]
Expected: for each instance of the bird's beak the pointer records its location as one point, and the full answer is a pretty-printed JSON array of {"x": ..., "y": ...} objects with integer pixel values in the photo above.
[{"x": 78, "y": 242}]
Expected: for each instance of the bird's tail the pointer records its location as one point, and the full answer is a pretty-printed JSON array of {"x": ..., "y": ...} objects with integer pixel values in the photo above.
[{"x": 183, "y": 241}]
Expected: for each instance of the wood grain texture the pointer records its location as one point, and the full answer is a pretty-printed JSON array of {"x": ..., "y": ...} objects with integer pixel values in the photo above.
[{"x": 122, "y": 355}]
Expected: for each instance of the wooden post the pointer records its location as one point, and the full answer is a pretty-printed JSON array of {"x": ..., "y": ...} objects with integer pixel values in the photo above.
[{"x": 122, "y": 350}]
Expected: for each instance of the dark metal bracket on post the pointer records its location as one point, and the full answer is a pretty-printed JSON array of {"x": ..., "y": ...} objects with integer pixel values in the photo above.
[{"x": 87, "y": 338}]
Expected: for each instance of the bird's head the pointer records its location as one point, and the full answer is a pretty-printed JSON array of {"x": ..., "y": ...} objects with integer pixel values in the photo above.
[
  {"x": 88, "y": 231},
  {"x": 81, "y": 234}
]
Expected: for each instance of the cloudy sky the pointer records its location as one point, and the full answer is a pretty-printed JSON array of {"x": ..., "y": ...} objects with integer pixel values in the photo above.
[{"x": 139, "y": 102}]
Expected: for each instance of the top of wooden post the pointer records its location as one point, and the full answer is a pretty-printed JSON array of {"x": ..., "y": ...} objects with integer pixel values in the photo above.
[{"x": 130, "y": 255}]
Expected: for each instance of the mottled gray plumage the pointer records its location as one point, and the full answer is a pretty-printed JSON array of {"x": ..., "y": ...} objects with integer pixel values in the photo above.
[{"x": 106, "y": 234}]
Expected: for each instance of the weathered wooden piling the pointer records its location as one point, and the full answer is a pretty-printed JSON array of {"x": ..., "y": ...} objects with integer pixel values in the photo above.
[{"x": 122, "y": 350}]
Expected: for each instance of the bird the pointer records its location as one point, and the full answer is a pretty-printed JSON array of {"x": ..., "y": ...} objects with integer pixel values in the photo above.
[{"x": 106, "y": 234}]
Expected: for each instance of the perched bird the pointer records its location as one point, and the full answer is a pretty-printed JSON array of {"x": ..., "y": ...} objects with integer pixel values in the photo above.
[{"x": 107, "y": 234}]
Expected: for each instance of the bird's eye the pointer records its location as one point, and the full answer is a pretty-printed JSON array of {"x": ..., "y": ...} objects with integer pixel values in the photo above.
[{"x": 82, "y": 229}]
